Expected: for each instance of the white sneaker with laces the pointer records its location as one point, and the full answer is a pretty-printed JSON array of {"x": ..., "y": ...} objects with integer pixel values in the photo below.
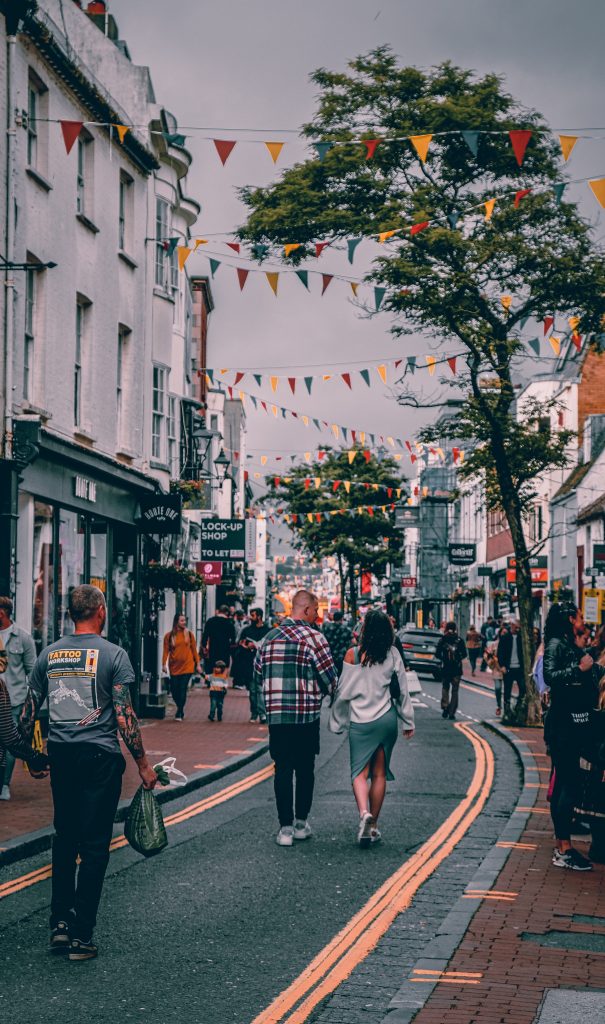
[
  {"x": 364, "y": 832},
  {"x": 302, "y": 830},
  {"x": 5, "y": 794},
  {"x": 285, "y": 836}
]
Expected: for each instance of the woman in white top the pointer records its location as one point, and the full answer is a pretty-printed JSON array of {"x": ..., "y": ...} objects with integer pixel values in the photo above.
[{"x": 364, "y": 704}]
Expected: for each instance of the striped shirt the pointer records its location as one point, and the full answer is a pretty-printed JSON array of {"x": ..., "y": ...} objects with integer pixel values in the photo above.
[
  {"x": 10, "y": 737},
  {"x": 295, "y": 668}
]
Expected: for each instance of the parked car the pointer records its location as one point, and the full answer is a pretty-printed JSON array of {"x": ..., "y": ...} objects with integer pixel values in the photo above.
[{"x": 419, "y": 646}]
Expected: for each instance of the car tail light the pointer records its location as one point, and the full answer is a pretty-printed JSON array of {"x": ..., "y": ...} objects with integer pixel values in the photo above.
[{"x": 408, "y": 647}]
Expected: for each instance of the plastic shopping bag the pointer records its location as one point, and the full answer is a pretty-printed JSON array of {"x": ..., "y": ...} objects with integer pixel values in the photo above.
[
  {"x": 144, "y": 828},
  {"x": 164, "y": 769}
]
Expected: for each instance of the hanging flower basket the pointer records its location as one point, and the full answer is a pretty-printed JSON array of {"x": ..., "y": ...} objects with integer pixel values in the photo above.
[
  {"x": 499, "y": 593},
  {"x": 467, "y": 594},
  {"x": 173, "y": 577},
  {"x": 190, "y": 491}
]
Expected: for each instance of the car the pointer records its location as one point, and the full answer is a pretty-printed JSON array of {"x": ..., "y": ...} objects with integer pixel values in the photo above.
[{"x": 419, "y": 646}]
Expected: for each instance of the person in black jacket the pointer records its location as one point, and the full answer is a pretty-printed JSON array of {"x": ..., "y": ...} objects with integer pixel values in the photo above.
[
  {"x": 511, "y": 661},
  {"x": 451, "y": 652},
  {"x": 573, "y": 678}
]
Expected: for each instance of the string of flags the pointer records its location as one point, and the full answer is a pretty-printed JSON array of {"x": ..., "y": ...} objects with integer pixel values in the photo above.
[{"x": 316, "y": 516}]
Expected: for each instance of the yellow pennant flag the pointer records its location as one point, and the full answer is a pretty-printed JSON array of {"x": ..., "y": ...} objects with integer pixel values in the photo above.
[
  {"x": 574, "y": 322},
  {"x": 354, "y": 287},
  {"x": 398, "y": 457},
  {"x": 461, "y": 459},
  {"x": 431, "y": 364},
  {"x": 382, "y": 237},
  {"x": 327, "y": 376},
  {"x": 223, "y": 371},
  {"x": 398, "y": 489},
  {"x": 334, "y": 511},
  {"x": 274, "y": 382},
  {"x": 425, "y": 491},
  {"x": 347, "y": 484},
  {"x": 291, "y": 247},
  {"x": 360, "y": 510},
  {"x": 410, "y": 502},
  {"x": 274, "y": 410},
  {"x": 275, "y": 149},
  {"x": 506, "y": 301},
  {"x": 183, "y": 253},
  {"x": 421, "y": 144},
  {"x": 375, "y": 487},
  {"x": 209, "y": 380},
  {"x": 391, "y": 442},
  {"x": 257, "y": 476},
  {"x": 440, "y": 453},
  {"x": 382, "y": 373},
  {"x": 263, "y": 460},
  {"x": 310, "y": 516},
  {"x": 362, "y": 436},
  {"x": 198, "y": 242},
  {"x": 555, "y": 344},
  {"x": 287, "y": 479},
  {"x": 317, "y": 482},
  {"x": 489, "y": 208},
  {"x": 307, "y": 456},
  {"x": 242, "y": 397},
  {"x": 335, "y": 430},
  {"x": 305, "y": 420},
  {"x": 351, "y": 454},
  {"x": 287, "y": 518},
  {"x": 598, "y": 187},
  {"x": 567, "y": 144},
  {"x": 272, "y": 278},
  {"x": 121, "y": 130}
]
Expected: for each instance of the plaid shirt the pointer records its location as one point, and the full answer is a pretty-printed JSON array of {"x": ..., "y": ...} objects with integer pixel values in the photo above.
[{"x": 294, "y": 666}]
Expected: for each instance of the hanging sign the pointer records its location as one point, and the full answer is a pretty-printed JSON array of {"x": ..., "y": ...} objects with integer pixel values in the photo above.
[
  {"x": 592, "y": 605},
  {"x": 211, "y": 571},
  {"x": 538, "y": 567},
  {"x": 223, "y": 540},
  {"x": 160, "y": 513},
  {"x": 462, "y": 554}
]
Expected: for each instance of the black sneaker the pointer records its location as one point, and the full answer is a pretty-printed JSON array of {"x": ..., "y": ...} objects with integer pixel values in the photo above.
[
  {"x": 59, "y": 938},
  {"x": 444, "y": 713},
  {"x": 571, "y": 860},
  {"x": 452, "y": 718},
  {"x": 79, "y": 950}
]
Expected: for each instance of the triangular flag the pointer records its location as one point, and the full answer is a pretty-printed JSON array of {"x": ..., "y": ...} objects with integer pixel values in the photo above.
[
  {"x": 370, "y": 145},
  {"x": 263, "y": 460},
  {"x": 259, "y": 250},
  {"x": 385, "y": 235},
  {"x": 274, "y": 381},
  {"x": 431, "y": 364},
  {"x": 382, "y": 373},
  {"x": 351, "y": 455},
  {"x": 71, "y": 130},
  {"x": 183, "y": 253},
  {"x": 317, "y": 482},
  {"x": 307, "y": 459},
  {"x": 567, "y": 144},
  {"x": 354, "y": 287},
  {"x": 472, "y": 141},
  {"x": 171, "y": 245},
  {"x": 555, "y": 344},
  {"x": 319, "y": 248},
  {"x": 523, "y": 321},
  {"x": 489, "y": 208},
  {"x": 335, "y": 430},
  {"x": 258, "y": 378},
  {"x": 235, "y": 246},
  {"x": 352, "y": 244},
  {"x": 121, "y": 129},
  {"x": 238, "y": 376},
  {"x": 308, "y": 383},
  {"x": 421, "y": 144},
  {"x": 223, "y": 148},
  {"x": 365, "y": 375},
  {"x": 175, "y": 138},
  {"x": 506, "y": 301},
  {"x": 347, "y": 484},
  {"x": 519, "y": 139},
  {"x": 335, "y": 485},
  {"x": 310, "y": 516},
  {"x": 379, "y": 294},
  {"x": 322, "y": 148},
  {"x": 214, "y": 265},
  {"x": 367, "y": 455},
  {"x": 198, "y": 242},
  {"x": 452, "y": 364},
  {"x": 291, "y": 247},
  {"x": 573, "y": 322},
  {"x": 242, "y": 276},
  {"x": 292, "y": 383},
  {"x": 577, "y": 340},
  {"x": 326, "y": 281},
  {"x": 548, "y": 322},
  {"x": 347, "y": 379},
  {"x": 316, "y": 424},
  {"x": 303, "y": 277},
  {"x": 558, "y": 190},
  {"x": 411, "y": 364},
  {"x": 598, "y": 187},
  {"x": 275, "y": 149},
  {"x": 210, "y": 375},
  {"x": 521, "y": 194},
  {"x": 453, "y": 219},
  {"x": 272, "y": 278},
  {"x": 417, "y": 228}
]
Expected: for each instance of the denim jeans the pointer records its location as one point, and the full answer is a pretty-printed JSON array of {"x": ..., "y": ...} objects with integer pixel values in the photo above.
[
  {"x": 10, "y": 760},
  {"x": 217, "y": 699},
  {"x": 257, "y": 701},
  {"x": 450, "y": 703}
]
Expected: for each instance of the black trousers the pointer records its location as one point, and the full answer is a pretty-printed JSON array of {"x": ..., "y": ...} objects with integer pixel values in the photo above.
[
  {"x": 86, "y": 782},
  {"x": 473, "y": 654},
  {"x": 513, "y": 675},
  {"x": 293, "y": 749},
  {"x": 567, "y": 789},
  {"x": 178, "y": 691}
]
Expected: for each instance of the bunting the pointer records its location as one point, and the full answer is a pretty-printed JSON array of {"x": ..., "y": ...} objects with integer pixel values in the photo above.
[
  {"x": 275, "y": 149},
  {"x": 71, "y": 131},
  {"x": 421, "y": 144},
  {"x": 567, "y": 143},
  {"x": 224, "y": 149}
]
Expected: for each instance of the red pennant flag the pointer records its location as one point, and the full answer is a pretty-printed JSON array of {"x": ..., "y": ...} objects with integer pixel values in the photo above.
[
  {"x": 366, "y": 485},
  {"x": 246, "y": 475},
  {"x": 414, "y": 458},
  {"x": 370, "y": 510},
  {"x": 292, "y": 383},
  {"x": 295, "y": 415},
  {"x": 235, "y": 246},
  {"x": 238, "y": 376},
  {"x": 236, "y": 454},
  {"x": 336, "y": 485},
  {"x": 264, "y": 405},
  {"x": 370, "y": 145},
  {"x": 276, "y": 481},
  {"x": 318, "y": 517},
  {"x": 295, "y": 517},
  {"x": 398, "y": 362},
  {"x": 354, "y": 436},
  {"x": 223, "y": 148},
  {"x": 242, "y": 276},
  {"x": 326, "y": 280},
  {"x": 456, "y": 454},
  {"x": 71, "y": 130},
  {"x": 307, "y": 484},
  {"x": 347, "y": 379},
  {"x": 521, "y": 195},
  {"x": 577, "y": 340},
  {"x": 389, "y": 492},
  {"x": 416, "y": 491},
  {"x": 548, "y": 322},
  {"x": 408, "y": 445},
  {"x": 417, "y": 228},
  {"x": 367, "y": 455},
  {"x": 319, "y": 248},
  {"x": 230, "y": 390},
  {"x": 452, "y": 364},
  {"x": 321, "y": 455},
  {"x": 519, "y": 141}
]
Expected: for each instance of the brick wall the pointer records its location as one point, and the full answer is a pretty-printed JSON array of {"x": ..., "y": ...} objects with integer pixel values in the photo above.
[{"x": 591, "y": 390}]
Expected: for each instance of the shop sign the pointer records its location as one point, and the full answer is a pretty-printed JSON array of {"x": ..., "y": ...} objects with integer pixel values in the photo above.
[
  {"x": 406, "y": 516},
  {"x": 223, "y": 540},
  {"x": 462, "y": 554},
  {"x": 211, "y": 571},
  {"x": 538, "y": 567},
  {"x": 598, "y": 558},
  {"x": 85, "y": 489},
  {"x": 409, "y": 582},
  {"x": 161, "y": 513},
  {"x": 592, "y": 605},
  {"x": 484, "y": 570},
  {"x": 251, "y": 540}
]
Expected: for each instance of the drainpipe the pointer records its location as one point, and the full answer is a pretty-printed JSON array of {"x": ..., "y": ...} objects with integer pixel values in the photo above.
[{"x": 9, "y": 240}]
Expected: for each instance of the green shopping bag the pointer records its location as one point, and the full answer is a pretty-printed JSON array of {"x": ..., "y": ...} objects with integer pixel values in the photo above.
[{"x": 144, "y": 828}]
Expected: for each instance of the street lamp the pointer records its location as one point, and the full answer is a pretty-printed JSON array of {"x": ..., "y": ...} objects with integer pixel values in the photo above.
[{"x": 222, "y": 464}]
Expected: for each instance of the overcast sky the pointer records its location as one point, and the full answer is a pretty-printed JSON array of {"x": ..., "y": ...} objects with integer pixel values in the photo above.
[{"x": 244, "y": 64}]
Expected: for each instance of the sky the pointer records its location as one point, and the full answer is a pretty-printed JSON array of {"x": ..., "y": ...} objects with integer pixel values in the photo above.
[{"x": 245, "y": 64}]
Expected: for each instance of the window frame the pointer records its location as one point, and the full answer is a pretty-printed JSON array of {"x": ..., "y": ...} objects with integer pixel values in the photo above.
[
  {"x": 162, "y": 232},
  {"x": 29, "y": 336},
  {"x": 33, "y": 93},
  {"x": 158, "y": 412},
  {"x": 125, "y": 211},
  {"x": 172, "y": 437},
  {"x": 124, "y": 333}
]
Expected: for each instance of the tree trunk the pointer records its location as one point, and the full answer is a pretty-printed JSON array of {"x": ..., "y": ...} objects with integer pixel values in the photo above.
[
  {"x": 352, "y": 591},
  {"x": 341, "y": 574}
]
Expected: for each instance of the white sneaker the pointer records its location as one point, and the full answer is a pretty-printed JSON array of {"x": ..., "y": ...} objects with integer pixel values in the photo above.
[
  {"x": 5, "y": 794},
  {"x": 364, "y": 832},
  {"x": 302, "y": 830},
  {"x": 376, "y": 835},
  {"x": 285, "y": 836}
]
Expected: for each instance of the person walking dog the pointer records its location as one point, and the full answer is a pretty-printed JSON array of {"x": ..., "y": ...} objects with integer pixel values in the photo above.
[
  {"x": 180, "y": 660},
  {"x": 365, "y": 703},
  {"x": 295, "y": 668}
]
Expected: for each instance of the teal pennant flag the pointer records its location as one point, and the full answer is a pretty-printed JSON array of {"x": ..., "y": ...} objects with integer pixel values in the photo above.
[
  {"x": 558, "y": 191},
  {"x": 214, "y": 265},
  {"x": 303, "y": 276},
  {"x": 259, "y": 251},
  {"x": 365, "y": 375},
  {"x": 322, "y": 148},
  {"x": 411, "y": 366},
  {"x": 534, "y": 344},
  {"x": 379, "y": 294},
  {"x": 472, "y": 141},
  {"x": 453, "y": 219},
  {"x": 258, "y": 378},
  {"x": 352, "y": 244},
  {"x": 309, "y": 383}
]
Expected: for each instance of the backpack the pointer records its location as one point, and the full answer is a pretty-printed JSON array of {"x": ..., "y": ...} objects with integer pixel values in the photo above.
[{"x": 451, "y": 657}]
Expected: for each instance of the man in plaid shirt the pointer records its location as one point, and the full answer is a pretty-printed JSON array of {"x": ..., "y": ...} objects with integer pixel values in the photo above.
[{"x": 295, "y": 668}]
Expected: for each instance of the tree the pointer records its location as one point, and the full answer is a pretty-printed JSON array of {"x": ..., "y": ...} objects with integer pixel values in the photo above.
[
  {"x": 332, "y": 511},
  {"x": 474, "y": 270}
]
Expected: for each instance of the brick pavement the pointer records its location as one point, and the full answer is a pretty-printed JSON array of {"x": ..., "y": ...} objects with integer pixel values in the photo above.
[
  {"x": 196, "y": 743},
  {"x": 499, "y": 975}
]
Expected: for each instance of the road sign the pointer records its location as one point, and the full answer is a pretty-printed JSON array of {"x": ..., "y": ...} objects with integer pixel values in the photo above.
[
  {"x": 484, "y": 570},
  {"x": 223, "y": 540},
  {"x": 462, "y": 554}
]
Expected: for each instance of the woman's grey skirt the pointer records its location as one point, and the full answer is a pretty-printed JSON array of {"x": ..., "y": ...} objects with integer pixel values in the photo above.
[{"x": 366, "y": 737}]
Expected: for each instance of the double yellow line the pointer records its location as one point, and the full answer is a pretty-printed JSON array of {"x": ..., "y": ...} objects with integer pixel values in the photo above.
[
  {"x": 41, "y": 874},
  {"x": 359, "y": 937}
]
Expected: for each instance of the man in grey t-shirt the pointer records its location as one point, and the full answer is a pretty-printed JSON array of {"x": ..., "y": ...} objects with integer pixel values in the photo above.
[{"x": 86, "y": 680}]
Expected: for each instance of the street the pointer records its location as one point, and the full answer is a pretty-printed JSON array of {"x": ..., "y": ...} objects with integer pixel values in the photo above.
[{"x": 214, "y": 929}]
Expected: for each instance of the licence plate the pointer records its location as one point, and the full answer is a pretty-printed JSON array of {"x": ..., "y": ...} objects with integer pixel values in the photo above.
[{"x": 419, "y": 655}]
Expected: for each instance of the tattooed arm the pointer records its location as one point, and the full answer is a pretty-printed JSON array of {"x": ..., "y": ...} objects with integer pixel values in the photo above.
[{"x": 130, "y": 732}]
